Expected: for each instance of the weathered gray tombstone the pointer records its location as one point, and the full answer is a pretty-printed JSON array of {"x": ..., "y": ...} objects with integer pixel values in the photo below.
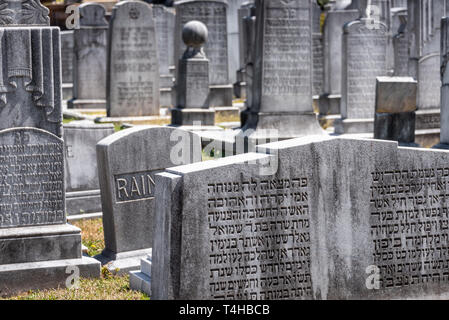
[
  {"x": 395, "y": 110},
  {"x": 164, "y": 19},
  {"x": 282, "y": 83},
  {"x": 232, "y": 16},
  {"x": 127, "y": 163},
  {"x": 133, "y": 67},
  {"x": 364, "y": 58},
  {"x": 213, "y": 14},
  {"x": 37, "y": 246},
  {"x": 249, "y": 43},
  {"x": 425, "y": 28},
  {"x": 317, "y": 51},
  {"x": 329, "y": 103},
  {"x": 81, "y": 173},
  {"x": 347, "y": 219},
  {"x": 89, "y": 64},
  {"x": 400, "y": 41},
  {"x": 192, "y": 83},
  {"x": 67, "y": 44},
  {"x": 444, "y": 132},
  {"x": 244, "y": 25}
]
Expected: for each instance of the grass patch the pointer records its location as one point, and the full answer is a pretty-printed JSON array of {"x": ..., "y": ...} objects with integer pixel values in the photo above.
[
  {"x": 91, "y": 235},
  {"x": 108, "y": 287}
]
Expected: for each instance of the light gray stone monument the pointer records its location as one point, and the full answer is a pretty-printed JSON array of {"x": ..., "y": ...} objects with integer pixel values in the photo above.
[
  {"x": 133, "y": 66},
  {"x": 89, "y": 64},
  {"x": 37, "y": 246},
  {"x": 127, "y": 163},
  {"x": 282, "y": 83},
  {"x": 444, "y": 132},
  {"x": 81, "y": 173},
  {"x": 400, "y": 41},
  {"x": 317, "y": 51},
  {"x": 396, "y": 110},
  {"x": 233, "y": 31},
  {"x": 192, "y": 84},
  {"x": 329, "y": 103},
  {"x": 364, "y": 58},
  {"x": 67, "y": 44},
  {"x": 245, "y": 22},
  {"x": 213, "y": 13},
  {"x": 164, "y": 18},
  {"x": 424, "y": 64},
  {"x": 346, "y": 219}
]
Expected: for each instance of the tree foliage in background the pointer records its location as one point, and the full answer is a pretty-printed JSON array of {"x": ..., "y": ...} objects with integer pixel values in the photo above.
[{"x": 322, "y": 3}]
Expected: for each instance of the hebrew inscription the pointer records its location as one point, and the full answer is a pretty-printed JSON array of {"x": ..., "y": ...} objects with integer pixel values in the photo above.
[
  {"x": 410, "y": 226},
  {"x": 32, "y": 178},
  {"x": 259, "y": 239}
]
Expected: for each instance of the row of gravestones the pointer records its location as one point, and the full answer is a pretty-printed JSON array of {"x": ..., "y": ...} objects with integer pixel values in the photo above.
[
  {"x": 127, "y": 81},
  {"x": 352, "y": 47},
  {"x": 315, "y": 218}
]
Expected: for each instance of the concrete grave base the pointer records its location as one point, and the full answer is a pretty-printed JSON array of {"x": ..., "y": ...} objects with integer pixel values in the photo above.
[
  {"x": 188, "y": 117},
  {"x": 141, "y": 280},
  {"x": 343, "y": 126},
  {"x": 83, "y": 202},
  {"x": 67, "y": 91},
  {"x": 122, "y": 263},
  {"x": 22, "y": 277},
  {"x": 86, "y": 104},
  {"x": 329, "y": 104},
  {"x": 221, "y": 95},
  {"x": 280, "y": 126},
  {"x": 427, "y": 119},
  {"x": 166, "y": 98}
]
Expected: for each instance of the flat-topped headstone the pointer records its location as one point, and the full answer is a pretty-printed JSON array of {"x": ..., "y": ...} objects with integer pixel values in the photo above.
[
  {"x": 395, "y": 109},
  {"x": 90, "y": 55},
  {"x": 348, "y": 219},
  {"x": 444, "y": 132},
  {"x": 282, "y": 83},
  {"x": 317, "y": 51},
  {"x": 36, "y": 243},
  {"x": 133, "y": 67},
  {"x": 127, "y": 163},
  {"x": 213, "y": 13},
  {"x": 364, "y": 58},
  {"x": 233, "y": 33}
]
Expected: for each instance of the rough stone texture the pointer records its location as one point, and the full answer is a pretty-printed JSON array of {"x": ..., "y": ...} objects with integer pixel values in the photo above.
[
  {"x": 395, "y": 94},
  {"x": 127, "y": 163},
  {"x": 67, "y": 44},
  {"x": 133, "y": 67},
  {"x": 89, "y": 64},
  {"x": 282, "y": 83},
  {"x": 398, "y": 127},
  {"x": 348, "y": 219}
]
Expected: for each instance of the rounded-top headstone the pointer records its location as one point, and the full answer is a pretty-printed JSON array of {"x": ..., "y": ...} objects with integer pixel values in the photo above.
[{"x": 194, "y": 34}]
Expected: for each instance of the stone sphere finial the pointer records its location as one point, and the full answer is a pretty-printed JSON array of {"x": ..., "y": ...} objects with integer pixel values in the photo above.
[{"x": 194, "y": 34}]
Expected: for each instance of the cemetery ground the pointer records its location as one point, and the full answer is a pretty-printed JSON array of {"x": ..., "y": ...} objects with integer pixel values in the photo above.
[{"x": 107, "y": 287}]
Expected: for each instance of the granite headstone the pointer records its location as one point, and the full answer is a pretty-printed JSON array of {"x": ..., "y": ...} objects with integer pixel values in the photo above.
[
  {"x": 90, "y": 54},
  {"x": 127, "y": 163},
  {"x": 133, "y": 67}
]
